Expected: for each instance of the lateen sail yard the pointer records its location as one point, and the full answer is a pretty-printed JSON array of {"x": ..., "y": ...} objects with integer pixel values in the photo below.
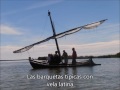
[{"x": 68, "y": 32}]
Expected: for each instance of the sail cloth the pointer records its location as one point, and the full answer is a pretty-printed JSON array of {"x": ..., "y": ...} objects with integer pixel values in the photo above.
[
  {"x": 68, "y": 32},
  {"x": 74, "y": 30},
  {"x": 30, "y": 46},
  {"x": 23, "y": 49},
  {"x": 93, "y": 25}
]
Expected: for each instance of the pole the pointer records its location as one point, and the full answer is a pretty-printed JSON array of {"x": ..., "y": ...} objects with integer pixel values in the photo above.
[{"x": 54, "y": 33}]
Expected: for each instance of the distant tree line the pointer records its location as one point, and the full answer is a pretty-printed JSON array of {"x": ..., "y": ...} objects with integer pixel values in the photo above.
[
  {"x": 86, "y": 57},
  {"x": 117, "y": 55},
  {"x": 110, "y": 56},
  {"x": 102, "y": 56}
]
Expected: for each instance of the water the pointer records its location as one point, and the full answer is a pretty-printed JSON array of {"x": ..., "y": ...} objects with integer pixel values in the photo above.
[{"x": 15, "y": 75}]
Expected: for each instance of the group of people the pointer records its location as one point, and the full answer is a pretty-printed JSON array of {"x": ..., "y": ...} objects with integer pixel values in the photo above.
[
  {"x": 56, "y": 59},
  {"x": 74, "y": 56}
]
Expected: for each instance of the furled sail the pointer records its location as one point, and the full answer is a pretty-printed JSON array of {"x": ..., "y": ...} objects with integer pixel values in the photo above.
[
  {"x": 30, "y": 46},
  {"x": 74, "y": 30},
  {"x": 23, "y": 49},
  {"x": 68, "y": 32},
  {"x": 93, "y": 25}
]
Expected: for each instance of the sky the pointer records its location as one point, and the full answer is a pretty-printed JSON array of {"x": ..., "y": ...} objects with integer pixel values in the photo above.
[{"x": 23, "y": 22}]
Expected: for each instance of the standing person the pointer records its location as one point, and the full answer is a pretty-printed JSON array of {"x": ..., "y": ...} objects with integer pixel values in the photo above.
[
  {"x": 65, "y": 56},
  {"x": 74, "y": 56}
]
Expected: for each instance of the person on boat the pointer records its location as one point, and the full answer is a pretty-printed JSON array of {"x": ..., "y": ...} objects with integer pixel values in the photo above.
[
  {"x": 65, "y": 56},
  {"x": 74, "y": 56},
  {"x": 56, "y": 58},
  {"x": 29, "y": 58},
  {"x": 49, "y": 58},
  {"x": 91, "y": 61}
]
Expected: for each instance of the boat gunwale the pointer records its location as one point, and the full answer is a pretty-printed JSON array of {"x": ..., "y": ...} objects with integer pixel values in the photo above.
[{"x": 38, "y": 65}]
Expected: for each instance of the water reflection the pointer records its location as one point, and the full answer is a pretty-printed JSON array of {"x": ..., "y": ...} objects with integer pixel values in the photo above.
[
  {"x": 52, "y": 71},
  {"x": 106, "y": 76},
  {"x": 74, "y": 71}
]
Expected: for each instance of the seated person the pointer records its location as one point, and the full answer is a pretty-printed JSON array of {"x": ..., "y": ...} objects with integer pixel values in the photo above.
[
  {"x": 55, "y": 59},
  {"x": 49, "y": 58}
]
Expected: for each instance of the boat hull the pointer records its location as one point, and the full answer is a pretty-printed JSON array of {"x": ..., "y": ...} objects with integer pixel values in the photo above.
[{"x": 44, "y": 64}]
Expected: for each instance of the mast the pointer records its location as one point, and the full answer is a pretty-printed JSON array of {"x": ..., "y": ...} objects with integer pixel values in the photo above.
[{"x": 54, "y": 33}]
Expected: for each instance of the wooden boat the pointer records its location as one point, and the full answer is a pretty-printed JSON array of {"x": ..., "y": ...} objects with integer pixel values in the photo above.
[
  {"x": 43, "y": 64},
  {"x": 37, "y": 64}
]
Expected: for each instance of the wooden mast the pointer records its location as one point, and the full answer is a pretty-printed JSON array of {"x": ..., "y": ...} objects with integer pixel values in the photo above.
[{"x": 54, "y": 33}]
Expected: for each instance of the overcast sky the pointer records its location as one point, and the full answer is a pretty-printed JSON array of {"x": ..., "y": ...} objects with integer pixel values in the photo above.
[{"x": 24, "y": 22}]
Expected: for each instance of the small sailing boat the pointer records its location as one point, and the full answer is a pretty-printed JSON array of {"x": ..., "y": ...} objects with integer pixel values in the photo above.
[{"x": 43, "y": 64}]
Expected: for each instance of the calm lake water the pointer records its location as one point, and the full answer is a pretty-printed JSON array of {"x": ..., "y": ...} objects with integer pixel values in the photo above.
[{"x": 16, "y": 75}]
